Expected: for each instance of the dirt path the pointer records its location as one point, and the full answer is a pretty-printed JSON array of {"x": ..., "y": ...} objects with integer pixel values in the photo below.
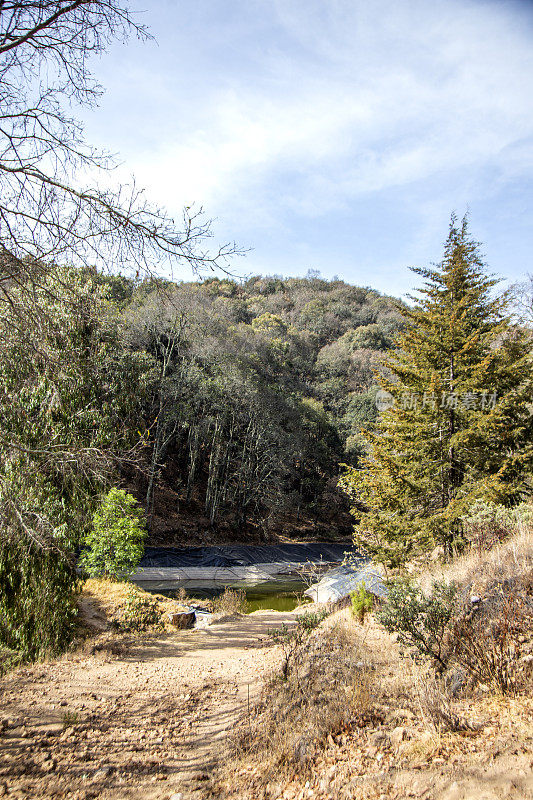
[{"x": 148, "y": 722}]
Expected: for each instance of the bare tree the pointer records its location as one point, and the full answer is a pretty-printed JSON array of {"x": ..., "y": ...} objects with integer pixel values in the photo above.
[
  {"x": 522, "y": 294},
  {"x": 47, "y": 211}
]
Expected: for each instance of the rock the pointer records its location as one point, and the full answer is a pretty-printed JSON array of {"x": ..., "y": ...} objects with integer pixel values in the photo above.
[
  {"x": 199, "y": 776},
  {"x": 456, "y": 682},
  {"x": 203, "y": 619},
  {"x": 397, "y": 735},
  {"x": 183, "y": 620},
  {"x": 102, "y": 773},
  {"x": 453, "y": 792},
  {"x": 303, "y": 751},
  {"x": 437, "y": 554},
  {"x": 378, "y": 738},
  {"x": 475, "y": 599},
  {"x": 176, "y": 796}
]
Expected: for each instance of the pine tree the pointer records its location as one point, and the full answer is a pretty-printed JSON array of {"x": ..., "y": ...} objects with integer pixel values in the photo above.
[{"x": 459, "y": 423}]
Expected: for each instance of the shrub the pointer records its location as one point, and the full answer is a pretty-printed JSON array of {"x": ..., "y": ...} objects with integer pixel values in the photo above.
[
  {"x": 231, "y": 601},
  {"x": 115, "y": 544},
  {"x": 9, "y": 659},
  {"x": 37, "y": 608},
  {"x": 362, "y": 601},
  {"x": 291, "y": 638},
  {"x": 419, "y": 621},
  {"x": 489, "y": 640},
  {"x": 140, "y": 611},
  {"x": 488, "y": 524}
]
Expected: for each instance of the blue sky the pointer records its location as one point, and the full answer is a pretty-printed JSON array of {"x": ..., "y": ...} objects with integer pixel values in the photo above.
[{"x": 335, "y": 135}]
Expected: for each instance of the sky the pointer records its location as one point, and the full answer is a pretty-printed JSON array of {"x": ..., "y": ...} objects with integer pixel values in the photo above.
[{"x": 333, "y": 135}]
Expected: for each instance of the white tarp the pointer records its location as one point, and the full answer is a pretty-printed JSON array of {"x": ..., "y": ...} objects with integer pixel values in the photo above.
[{"x": 338, "y": 583}]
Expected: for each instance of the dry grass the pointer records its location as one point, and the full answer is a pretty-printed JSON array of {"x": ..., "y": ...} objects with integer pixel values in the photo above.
[
  {"x": 231, "y": 601},
  {"x": 352, "y": 712},
  {"x": 104, "y": 600},
  {"x": 326, "y": 691},
  {"x": 437, "y": 706},
  {"x": 492, "y": 638},
  {"x": 478, "y": 570}
]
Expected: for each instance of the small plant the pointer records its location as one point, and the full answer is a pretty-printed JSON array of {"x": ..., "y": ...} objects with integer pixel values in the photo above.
[
  {"x": 139, "y": 613},
  {"x": 311, "y": 620},
  {"x": 115, "y": 544},
  {"x": 182, "y": 595},
  {"x": 70, "y": 718},
  {"x": 488, "y": 644},
  {"x": 231, "y": 601},
  {"x": 419, "y": 621},
  {"x": 362, "y": 602},
  {"x": 290, "y": 638}
]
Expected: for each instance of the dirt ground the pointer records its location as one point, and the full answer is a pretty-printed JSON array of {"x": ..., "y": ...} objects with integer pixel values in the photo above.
[
  {"x": 400, "y": 754},
  {"x": 135, "y": 718},
  {"x": 150, "y": 717}
]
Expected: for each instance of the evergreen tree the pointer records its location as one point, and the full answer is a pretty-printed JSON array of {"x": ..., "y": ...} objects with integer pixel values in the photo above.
[{"x": 459, "y": 423}]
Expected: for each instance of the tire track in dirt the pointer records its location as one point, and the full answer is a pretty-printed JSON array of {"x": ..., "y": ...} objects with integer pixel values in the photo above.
[{"x": 149, "y": 721}]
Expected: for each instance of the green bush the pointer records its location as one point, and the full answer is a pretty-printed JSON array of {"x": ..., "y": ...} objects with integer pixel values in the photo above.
[
  {"x": 291, "y": 638},
  {"x": 487, "y": 524},
  {"x": 140, "y": 611},
  {"x": 37, "y": 608},
  {"x": 420, "y": 621},
  {"x": 115, "y": 544},
  {"x": 9, "y": 659},
  {"x": 362, "y": 602}
]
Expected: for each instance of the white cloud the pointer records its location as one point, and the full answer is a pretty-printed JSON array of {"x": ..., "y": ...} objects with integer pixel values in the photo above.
[{"x": 354, "y": 97}]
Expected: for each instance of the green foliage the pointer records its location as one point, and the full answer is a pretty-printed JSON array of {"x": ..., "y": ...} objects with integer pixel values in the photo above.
[
  {"x": 70, "y": 718},
  {"x": 66, "y": 412},
  {"x": 420, "y": 621},
  {"x": 305, "y": 624},
  {"x": 140, "y": 612},
  {"x": 236, "y": 401},
  {"x": 37, "y": 609},
  {"x": 292, "y": 637},
  {"x": 310, "y": 620},
  {"x": 115, "y": 544},
  {"x": 9, "y": 659},
  {"x": 362, "y": 602},
  {"x": 485, "y": 524},
  {"x": 460, "y": 425}
]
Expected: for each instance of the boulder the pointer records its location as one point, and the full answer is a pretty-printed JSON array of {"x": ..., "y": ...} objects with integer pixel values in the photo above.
[{"x": 182, "y": 619}]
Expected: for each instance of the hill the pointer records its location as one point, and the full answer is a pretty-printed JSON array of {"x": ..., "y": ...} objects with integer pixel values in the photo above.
[{"x": 258, "y": 391}]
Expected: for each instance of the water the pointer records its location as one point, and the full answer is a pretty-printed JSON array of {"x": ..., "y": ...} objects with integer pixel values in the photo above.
[
  {"x": 265, "y": 596},
  {"x": 284, "y": 601}
]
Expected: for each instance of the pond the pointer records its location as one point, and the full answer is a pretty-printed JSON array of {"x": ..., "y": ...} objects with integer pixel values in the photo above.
[{"x": 278, "y": 595}]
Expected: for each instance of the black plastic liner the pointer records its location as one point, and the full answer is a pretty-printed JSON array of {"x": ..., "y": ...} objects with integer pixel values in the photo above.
[{"x": 243, "y": 555}]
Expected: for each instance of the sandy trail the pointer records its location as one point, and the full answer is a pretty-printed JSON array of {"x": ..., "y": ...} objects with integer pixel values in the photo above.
[{"x": 147, "y": 722}]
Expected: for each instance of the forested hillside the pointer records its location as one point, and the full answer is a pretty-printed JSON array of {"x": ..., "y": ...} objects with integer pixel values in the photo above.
[{"x": 257, "y": 391}]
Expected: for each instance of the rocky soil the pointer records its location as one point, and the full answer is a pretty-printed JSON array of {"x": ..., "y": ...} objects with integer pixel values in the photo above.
[
  {"x": 131, "y": 717},
  {"x": 153, "y": 716},
  {"x": 394, "y": 750}
]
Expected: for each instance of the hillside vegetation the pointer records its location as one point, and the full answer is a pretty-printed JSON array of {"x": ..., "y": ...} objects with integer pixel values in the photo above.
[{"x": 257, "y": 390}]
